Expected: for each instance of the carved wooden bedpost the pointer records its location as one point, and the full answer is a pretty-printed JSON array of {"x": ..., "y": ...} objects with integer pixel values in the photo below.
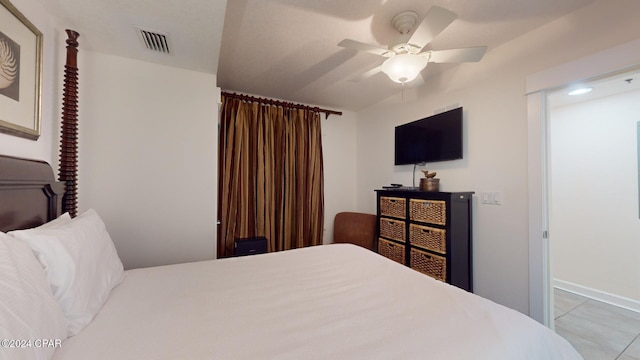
[{"x": 68, "y": 171}]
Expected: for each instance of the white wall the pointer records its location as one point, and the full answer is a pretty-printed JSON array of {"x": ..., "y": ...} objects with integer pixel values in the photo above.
[
  {"x": 148, "y": 150},
  {"x": 495, "y": 158},
  {"x": 594, "y": 223},
  {"x": 45, "y": 148},
  {"x": 339, "y": 153}
]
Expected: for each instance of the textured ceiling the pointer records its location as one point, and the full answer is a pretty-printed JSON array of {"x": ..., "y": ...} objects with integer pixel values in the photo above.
[{"x": 287, "y": 49}]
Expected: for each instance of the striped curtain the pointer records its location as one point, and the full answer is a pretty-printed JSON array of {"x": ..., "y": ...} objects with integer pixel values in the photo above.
[{"x": 270, "y": 175}]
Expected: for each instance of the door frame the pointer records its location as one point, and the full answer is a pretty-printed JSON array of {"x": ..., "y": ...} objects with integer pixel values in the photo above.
[{"x": 615, "y": 60}]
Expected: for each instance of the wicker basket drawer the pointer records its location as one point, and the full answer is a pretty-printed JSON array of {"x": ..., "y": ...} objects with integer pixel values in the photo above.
[
  {"x": 391, "y": 250},
  {"x": 429, "y": 211},
  {"x": 428, "y": 238},
  {"x": 393, "y": 229},
  {"x": 429, "y": 264},
  {"x": 393, "y": 206}
]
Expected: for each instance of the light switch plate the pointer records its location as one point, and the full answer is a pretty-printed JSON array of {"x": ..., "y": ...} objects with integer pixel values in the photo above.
[{"x": 491, "y": 197}]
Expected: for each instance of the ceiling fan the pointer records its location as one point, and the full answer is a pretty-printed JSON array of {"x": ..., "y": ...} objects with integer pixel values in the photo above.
[{"x": 407, "y": 56}]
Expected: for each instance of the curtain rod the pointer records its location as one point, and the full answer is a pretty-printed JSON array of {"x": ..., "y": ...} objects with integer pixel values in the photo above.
[{"x": 284, "y": 104}]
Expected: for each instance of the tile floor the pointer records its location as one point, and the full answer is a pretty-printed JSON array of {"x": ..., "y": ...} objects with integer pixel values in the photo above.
[{"x": 597, "y": 330}]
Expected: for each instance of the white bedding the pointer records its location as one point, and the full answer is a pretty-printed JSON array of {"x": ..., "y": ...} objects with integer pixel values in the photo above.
[{"x": 325, "y": 302}]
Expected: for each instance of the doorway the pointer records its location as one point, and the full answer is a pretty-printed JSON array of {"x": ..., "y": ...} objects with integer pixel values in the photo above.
[
  {"x": 611, "y": 62},
  {"x": 593, "y": 189},
  {"x": 593, "y": 214}
]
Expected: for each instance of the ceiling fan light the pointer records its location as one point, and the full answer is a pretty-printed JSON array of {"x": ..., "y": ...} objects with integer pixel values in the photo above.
[{"x": 404, "y": 67}]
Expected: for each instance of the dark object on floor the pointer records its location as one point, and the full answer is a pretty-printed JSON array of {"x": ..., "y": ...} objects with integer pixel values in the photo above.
[{"x": 250, "y": 246}]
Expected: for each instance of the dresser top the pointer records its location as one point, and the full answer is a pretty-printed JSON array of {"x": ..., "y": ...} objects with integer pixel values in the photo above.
[
  {"x": 411, "y": 190},
  {"x": 413, "y": 193}
]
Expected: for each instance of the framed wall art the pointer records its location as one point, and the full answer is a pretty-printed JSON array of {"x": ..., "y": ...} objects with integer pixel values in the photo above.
[{"x": 20, "y": 73}]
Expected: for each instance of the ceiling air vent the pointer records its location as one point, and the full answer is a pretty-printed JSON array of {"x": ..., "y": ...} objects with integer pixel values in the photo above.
[{"x": 154, "y": 41}]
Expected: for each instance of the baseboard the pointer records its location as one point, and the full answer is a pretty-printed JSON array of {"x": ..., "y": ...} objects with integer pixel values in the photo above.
[{"x": 620, "y": 301}]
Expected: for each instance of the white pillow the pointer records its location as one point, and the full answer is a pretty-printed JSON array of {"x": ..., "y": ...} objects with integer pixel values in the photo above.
[
  {"x": 62, "y": 219},
  {"x": 28, "y": 310},
  {"x": 81, "y": 264}
]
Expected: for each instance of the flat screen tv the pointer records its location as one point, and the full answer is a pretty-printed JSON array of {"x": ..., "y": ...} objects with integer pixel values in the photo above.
[{"x": 434, "y": 138}]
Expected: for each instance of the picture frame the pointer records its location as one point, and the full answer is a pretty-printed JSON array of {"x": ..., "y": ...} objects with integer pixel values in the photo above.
[{"x": 20, "y": 73}]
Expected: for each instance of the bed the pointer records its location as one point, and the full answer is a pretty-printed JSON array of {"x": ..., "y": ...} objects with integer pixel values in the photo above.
[{"x": 337, "y": 301}]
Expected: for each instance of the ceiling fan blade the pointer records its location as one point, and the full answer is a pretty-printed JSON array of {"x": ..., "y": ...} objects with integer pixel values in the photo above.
[
  {"x": 367, "y": 74},
  {"x": 436, "y": 20},
  {"x": 472, "y": 54},
  {"x": 356, "y": 45}
]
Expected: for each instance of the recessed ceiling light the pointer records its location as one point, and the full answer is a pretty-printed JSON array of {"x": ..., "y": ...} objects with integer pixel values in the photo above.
[{"x": 580, "y": 91}]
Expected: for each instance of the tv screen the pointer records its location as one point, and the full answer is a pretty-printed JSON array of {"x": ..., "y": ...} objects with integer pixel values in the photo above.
[{"x": 434, "y": 138}]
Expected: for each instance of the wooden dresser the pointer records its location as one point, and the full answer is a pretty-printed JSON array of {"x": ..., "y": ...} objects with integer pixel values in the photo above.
[{"x": 427, "y": 231}]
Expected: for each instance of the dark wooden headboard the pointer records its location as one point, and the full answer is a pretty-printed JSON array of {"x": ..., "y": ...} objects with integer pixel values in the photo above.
[{"x": 29, "y": 193}]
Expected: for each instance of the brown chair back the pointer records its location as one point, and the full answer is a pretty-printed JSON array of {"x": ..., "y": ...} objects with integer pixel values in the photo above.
[{"x": 355, "y": 228}]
